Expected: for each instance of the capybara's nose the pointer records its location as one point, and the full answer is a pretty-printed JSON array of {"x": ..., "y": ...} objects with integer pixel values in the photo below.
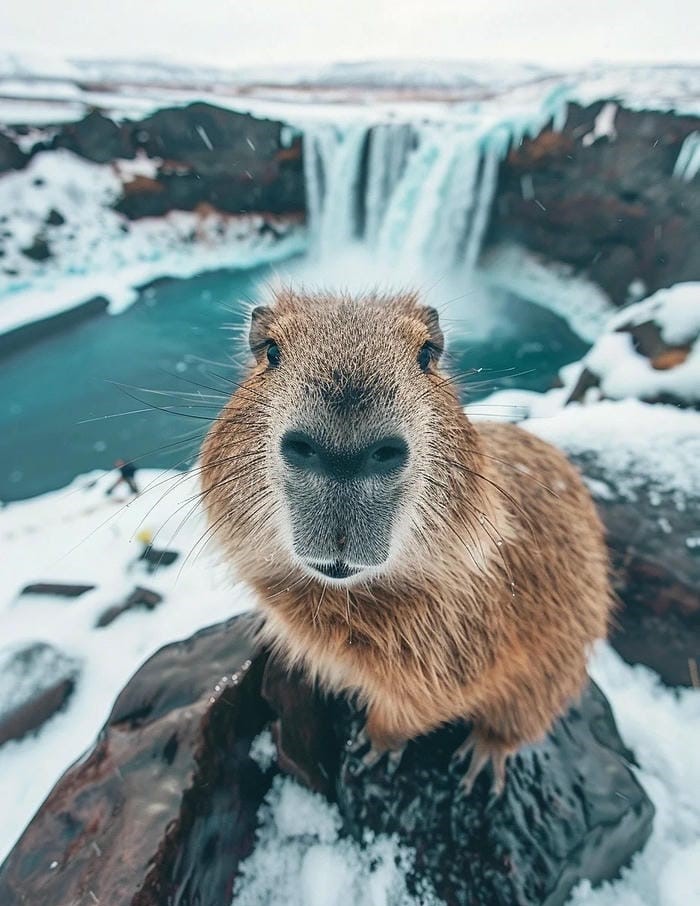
[{"x": 384, "y": 457}]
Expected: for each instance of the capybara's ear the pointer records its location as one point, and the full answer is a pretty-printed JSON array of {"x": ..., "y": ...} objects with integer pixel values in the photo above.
[
  {"x": 431, "y": 319},
  {"x": 260, "y": 319}
]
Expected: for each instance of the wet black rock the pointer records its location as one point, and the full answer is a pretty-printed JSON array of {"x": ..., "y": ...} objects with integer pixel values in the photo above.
[
  {"x": 39, "y": 250},
  {"x": 55, "y": 218},
  {"x": 37, "y": 682},
  {"x": 163, "y": 808},
  {"x": 96, "y": 137},
  {"x": 59, "y": 589},
  {"x": 11, "y": 157},
  {"x": 571, "y": 809}
]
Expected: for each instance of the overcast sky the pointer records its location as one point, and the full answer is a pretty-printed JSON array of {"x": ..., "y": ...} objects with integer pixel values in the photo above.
[{"x": 251, "y": 32}]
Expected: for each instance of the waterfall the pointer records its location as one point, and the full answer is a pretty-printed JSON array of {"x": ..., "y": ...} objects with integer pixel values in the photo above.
[
  {"x": 389, "y": 147},
  {"x": 332, "y": 169},
  {"x": 412, "y": 193}
]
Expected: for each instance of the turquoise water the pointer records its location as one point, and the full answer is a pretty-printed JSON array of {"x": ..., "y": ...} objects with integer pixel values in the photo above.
[{"x": 62, "y": 413}]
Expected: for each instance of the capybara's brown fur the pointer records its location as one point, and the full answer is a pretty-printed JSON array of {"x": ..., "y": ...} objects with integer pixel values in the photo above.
[{"x": 492, "y": 579}]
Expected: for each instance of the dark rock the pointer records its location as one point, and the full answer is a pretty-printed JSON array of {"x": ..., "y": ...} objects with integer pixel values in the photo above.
[
  {"x": 164, "y": 806},
  {"x": 39, "y": 250},
  {"x": 232, "y": 162},
  {"x": 11, "y": 157},
  {"x": 656, "y": 575},
  {"x": 611, "y": 209},
  {"x": 155, "y": 558},
  {"x": 55, "y": 218},
  {"x": 56, "y": 588},
  {"x": 163, "y": 809},
  {"x": 37, "y": 683},
  {"x": 96, "y": 137},
  {"x": 139, "y": 599}
]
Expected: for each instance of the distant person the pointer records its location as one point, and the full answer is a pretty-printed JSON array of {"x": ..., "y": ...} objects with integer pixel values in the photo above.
[{"x": 127, "y": 475}]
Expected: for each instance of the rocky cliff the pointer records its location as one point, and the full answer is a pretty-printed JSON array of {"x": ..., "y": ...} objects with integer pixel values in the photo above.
[
  {"x": 602, "y": 196},
  {"x": 200, "y": 155}
]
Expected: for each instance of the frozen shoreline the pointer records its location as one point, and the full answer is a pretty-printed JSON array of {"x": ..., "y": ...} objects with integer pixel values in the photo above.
[{"x": 121, "y": 289}]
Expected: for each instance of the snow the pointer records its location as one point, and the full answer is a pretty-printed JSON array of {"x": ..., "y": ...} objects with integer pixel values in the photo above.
[
  {"x": 301, "y": 859},
  {"x": 640, "y": 87},
  {"x": 78, "y": 535},
  {"x": 640, "y": 444},
  {"x": 263, "y": 750},
  {"x": 99, "y": 252},
  {"x": 624, "y": 372},
  {"x": 603, "y": 125},
  {"x": 662, "y": 727},
  {"x": 676, "y": 310}
]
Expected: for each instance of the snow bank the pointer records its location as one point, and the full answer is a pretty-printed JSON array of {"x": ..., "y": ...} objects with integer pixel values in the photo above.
[
  {"x": 640, "y": 87},
  {"x": 96, "y": 251},
  {"x": 662, "y": 727},
  {"x": 637, "y": 444},
  {"x": 78, "y": 535}
]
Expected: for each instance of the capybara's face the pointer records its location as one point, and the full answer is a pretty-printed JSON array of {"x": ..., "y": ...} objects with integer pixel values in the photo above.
[{"x": 320, "y": 467}]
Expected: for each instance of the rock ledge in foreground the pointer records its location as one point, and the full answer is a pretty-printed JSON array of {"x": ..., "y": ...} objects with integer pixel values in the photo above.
[{"x": 163, "y": 809}]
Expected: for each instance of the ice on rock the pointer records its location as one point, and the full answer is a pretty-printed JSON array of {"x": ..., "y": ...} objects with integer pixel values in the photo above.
[
  {"x": 687, "y": 164},
  {"x": 263, "y": 750},
  {"x": 603, "y": 125}
]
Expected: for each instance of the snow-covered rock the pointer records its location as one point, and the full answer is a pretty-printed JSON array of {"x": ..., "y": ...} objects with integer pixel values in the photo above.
[
  {"x": 650, "y": 350},
  {"x": 36, "y": 681}
]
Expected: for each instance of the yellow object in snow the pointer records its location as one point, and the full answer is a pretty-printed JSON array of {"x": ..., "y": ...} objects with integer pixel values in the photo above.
[{"x": 145, "y": 536}]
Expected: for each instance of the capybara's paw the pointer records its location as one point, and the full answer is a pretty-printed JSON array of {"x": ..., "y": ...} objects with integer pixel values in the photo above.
[
  {"x": 485, "y": 749},
  {"x": 374, "y": 753}
]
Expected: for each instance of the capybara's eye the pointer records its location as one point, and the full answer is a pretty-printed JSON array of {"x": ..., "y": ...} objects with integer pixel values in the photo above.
[
  {"x": 425, "y": 356},
  {"x": 273, "y": 354}
]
